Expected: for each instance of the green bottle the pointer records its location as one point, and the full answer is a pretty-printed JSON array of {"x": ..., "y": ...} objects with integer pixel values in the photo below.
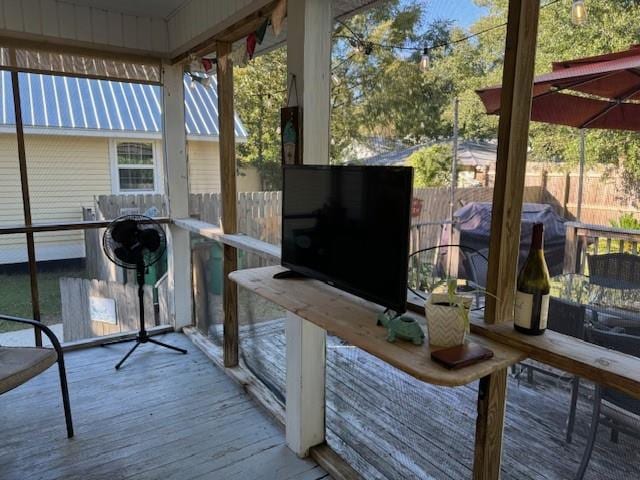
[{"x": 532, "y": 295}]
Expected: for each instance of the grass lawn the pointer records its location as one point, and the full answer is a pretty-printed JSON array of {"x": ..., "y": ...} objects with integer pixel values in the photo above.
[{"x": 15, "y": 296}]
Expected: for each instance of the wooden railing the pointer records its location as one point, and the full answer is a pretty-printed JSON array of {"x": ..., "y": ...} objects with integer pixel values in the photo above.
[{"x": 583, "y": 239}]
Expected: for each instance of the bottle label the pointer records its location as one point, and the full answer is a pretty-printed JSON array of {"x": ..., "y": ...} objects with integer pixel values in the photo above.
[{"x": 532, "y": 310}]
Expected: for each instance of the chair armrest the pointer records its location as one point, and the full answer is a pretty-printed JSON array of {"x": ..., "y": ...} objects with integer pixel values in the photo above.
[{"x": 47, "y": 331}]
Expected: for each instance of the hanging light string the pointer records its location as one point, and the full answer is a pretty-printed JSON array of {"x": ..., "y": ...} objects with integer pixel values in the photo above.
[{"x": 365, "y": 45}]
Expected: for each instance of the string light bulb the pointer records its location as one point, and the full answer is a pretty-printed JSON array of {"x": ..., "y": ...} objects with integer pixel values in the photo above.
[
  {"x": 578, "y": 12},
  {"x": 424, "y": 61}
]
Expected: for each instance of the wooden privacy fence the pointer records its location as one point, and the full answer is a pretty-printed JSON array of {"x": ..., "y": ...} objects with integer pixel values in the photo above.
[
  {"x": 76, "y": 295},
  {"x": 260, "y": 213},
  {"x": 604, "y": 198}
]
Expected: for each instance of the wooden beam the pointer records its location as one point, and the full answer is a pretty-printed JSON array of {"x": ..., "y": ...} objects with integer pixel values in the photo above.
[
  {"x": 229, "y": 200},
  {"x": 306, "y": 360},
  {"x": 515, "y": 112},
  {"x": 64, "y": 226},
  {"x": 487, "y": 456},
  {"x": 230, "y": 34},
  {"x": 309, "y": 31},
  {"x": 177, "y": 185}
]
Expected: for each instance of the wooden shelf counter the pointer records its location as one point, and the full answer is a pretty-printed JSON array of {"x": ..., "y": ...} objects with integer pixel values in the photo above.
[
  {"x": 354, "y": 320},
  {"x": 316, "y": 308}
]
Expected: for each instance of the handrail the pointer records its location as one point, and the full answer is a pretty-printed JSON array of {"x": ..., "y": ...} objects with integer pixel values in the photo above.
[
  {"x": 602, "y": 228},
  {"x": 237, "y": 240},
  {"x": 64, "y": 226}
]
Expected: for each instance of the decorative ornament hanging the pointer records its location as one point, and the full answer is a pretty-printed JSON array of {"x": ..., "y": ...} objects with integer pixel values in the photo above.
[
  {"x": 251, "y": 45},
  {"x": 277, "y": 17},
  {"x": 291, "y": 129},
  {"x": 209, "y": 65},
  {"x": 261, "y": 31}
]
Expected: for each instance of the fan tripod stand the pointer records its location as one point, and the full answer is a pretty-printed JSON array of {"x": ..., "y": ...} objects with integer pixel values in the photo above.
[{"x": 143, "y": 335}]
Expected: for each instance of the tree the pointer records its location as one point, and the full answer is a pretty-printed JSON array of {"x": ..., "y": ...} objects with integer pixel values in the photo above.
[
  {"x": 260, "y": 91},
  {"x": 432, "y": 165},
  {"x": 478, "y": 63}
]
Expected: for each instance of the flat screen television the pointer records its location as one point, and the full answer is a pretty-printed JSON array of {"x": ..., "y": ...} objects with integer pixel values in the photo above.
[{"x": 349, "y": 226}]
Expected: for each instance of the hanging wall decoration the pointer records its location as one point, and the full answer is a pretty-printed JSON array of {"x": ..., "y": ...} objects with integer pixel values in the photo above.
[
  {"x": 277, "y": 17},
  {"x": 252, "y": 40},
  {"x": 291, "y": 129},
  {"x": 261, "y": 31}
]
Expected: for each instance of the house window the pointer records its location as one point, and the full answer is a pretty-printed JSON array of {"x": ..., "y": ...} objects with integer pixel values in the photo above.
[{"x": 135, "y": 166}]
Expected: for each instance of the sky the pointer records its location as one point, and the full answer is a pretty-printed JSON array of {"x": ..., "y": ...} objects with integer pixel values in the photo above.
[{"x": 462, "y": 12}]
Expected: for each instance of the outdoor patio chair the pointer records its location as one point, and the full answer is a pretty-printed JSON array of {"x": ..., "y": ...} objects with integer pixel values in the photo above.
[
  {"x": 20, "y": 364},
  {"x": 427, "y": 269},
  {"x": 614, "y": 270},
  {"x": 616, "y": 410},
  {"x": 569, "y": 319}
]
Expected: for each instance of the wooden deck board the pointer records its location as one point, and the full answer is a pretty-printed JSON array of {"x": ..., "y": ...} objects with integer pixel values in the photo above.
[
  {"x": 389, "y": 425},
  {"x": 162, "y": 416}
]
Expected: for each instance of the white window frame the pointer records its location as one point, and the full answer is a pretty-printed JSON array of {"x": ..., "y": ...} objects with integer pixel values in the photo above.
[{"x": 115, "y": 167}]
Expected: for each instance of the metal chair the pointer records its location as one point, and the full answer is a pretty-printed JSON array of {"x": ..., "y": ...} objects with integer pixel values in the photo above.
[
  {"x": 568, "y": 318},
  {"x": 611, "y": 407},
  {"x": 19, "y": 364},
  {"x": 428, "y": 268}
]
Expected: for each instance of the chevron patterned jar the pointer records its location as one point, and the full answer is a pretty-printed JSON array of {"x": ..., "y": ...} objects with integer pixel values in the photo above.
[{"x": 446, "y": 322}]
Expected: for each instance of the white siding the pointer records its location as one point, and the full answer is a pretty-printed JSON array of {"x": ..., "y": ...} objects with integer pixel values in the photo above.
[
  {"x": 204, "y": 167},
  {"x": 64, "y": 175}
]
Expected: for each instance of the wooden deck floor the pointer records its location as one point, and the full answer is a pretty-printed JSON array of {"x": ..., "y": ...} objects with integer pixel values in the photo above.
[
  {"x": 163, "y": 416},
  {"x": 389, "y": 426}
]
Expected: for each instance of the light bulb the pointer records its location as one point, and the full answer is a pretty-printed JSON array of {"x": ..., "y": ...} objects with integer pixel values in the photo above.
[
  {"x": 578, "y": 12},
  {"x": 424, "y": 61}
]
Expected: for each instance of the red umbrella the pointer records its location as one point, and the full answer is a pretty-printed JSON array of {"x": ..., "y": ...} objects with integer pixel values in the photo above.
[{"x": 593, "y": 92}]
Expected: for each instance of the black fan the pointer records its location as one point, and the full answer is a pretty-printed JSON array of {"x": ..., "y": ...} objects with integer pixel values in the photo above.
[{"x": 135, "y": 242}]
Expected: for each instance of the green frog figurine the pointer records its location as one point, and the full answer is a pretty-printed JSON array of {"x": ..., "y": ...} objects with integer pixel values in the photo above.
[{"x": 402, "y": 327}]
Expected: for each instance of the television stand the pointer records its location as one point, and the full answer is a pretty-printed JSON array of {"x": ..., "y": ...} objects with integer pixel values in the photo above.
[{"x": 288, "y": 274}]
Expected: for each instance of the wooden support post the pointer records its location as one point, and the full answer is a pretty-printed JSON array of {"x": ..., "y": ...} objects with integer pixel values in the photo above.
[
  {"x": 565, "y": 195},
  {"x": 229, "y": 200},
  {"x": 310, "y": 25},
  {"x": 487, "y": 457},
  {"x": 177, "y": 185},
  {"x": 571, "y": 250},
  {"x": 306, "y": 359},
  {"x": 515, "y": 112}
]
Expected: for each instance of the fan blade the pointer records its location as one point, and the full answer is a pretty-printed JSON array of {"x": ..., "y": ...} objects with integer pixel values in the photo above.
[
  {"x": 125, "y": 255},
  {"x": 150, "y": 239},
  {"x": 125, "y": 232}
]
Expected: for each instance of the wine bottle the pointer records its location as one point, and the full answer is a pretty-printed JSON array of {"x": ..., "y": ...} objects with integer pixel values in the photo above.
[{"x": 532, "y": 296}]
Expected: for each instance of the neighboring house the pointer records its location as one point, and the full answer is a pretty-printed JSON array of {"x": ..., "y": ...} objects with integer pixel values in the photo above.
[
  {"x": 92, "y": 137},
  {"x": 475, "y": 159}
]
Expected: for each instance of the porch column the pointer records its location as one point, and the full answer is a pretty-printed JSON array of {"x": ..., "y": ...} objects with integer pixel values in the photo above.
[
  {"x": 511, "y": 161},
  {"x": 513, "y": 131},
  {"x": 177, "y": 187},
  {"x": 229, "y": 197},
  {"x": 309, "y": 25}
]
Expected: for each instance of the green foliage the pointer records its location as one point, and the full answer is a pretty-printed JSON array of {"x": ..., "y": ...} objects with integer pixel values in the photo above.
[
  {"x": 626, "y": 221},
  {"x": 612, "y": 26},
  {"x": 381, "y": 92},
  {"x": 432, "y": 165},
  {"x": 259, "y": 95}
]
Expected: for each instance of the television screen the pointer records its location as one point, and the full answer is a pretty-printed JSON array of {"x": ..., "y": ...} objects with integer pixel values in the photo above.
[{"x": 349, "y": 226}]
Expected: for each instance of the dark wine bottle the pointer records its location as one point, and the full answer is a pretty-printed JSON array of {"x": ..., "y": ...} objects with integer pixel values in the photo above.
[{"x": 532, "y": 296}]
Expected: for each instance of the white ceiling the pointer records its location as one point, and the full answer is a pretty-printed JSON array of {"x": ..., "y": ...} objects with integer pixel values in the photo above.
[{"x": 146, "y": 8}]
